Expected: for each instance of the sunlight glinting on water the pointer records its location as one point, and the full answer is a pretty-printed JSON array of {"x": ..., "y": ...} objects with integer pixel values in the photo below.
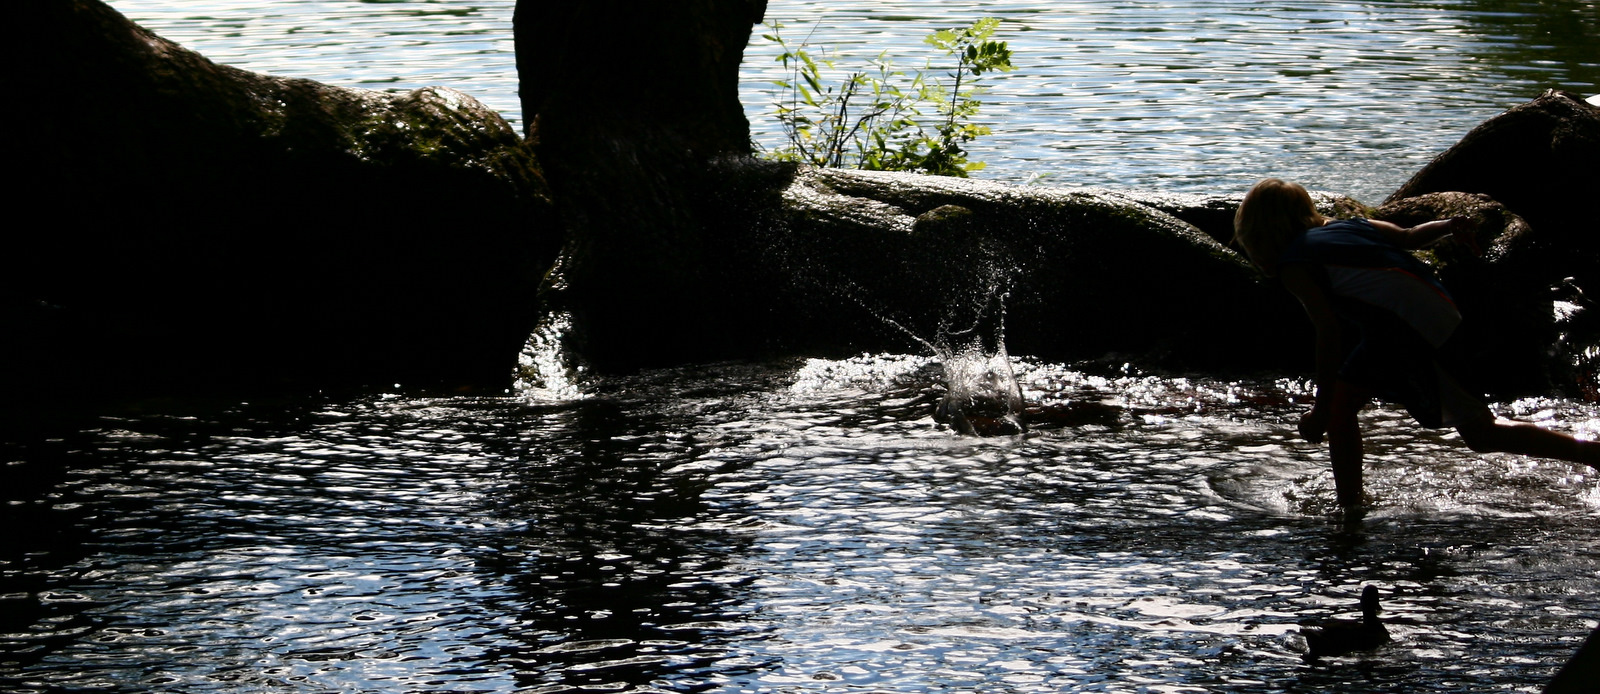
[
  {"x": 377, "y": 45},
  {"x": 983, "y": 564},
  {"x": 796, "y": 527},
  {"x": 1207, "y": 95}
]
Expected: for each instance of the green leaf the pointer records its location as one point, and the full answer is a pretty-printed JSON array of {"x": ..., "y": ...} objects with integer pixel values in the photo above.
[{"x": 870, "y": 119}]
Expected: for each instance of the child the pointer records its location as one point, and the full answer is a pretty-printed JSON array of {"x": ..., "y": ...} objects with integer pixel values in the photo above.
[{"x": 1360, "y": 273}]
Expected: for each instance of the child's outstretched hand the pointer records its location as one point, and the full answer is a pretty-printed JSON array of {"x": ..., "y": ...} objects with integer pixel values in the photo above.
[{"x": 1464, "y": 230}]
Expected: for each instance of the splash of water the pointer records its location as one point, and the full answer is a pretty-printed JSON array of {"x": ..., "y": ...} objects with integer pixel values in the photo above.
[
  {"x": 545, "y": 373},
  {"x": 1577, "y": 348},
  {"x": 982, "y": 396}
]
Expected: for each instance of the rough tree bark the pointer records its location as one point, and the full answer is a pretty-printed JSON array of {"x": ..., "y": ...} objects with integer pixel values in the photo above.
[{"x": 630, "y": 102}]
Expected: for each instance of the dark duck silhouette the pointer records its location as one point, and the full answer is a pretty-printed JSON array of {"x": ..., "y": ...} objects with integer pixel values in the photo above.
[{"x": 1338, "y": 637}]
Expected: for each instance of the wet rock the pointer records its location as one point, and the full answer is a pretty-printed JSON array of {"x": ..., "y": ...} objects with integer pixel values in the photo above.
[
  {"x": 1504, "y": 294},
  {"x": 1499, "y": 229},
  {"x": 186, "y": 225},
  {"x": 1508, "y": 321},
  {"x": 1575, "y": 357},
  {"x": 1537, "y": 159}
]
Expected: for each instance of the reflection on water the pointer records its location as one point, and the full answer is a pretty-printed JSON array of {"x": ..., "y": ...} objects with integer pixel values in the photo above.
[{"x": 788, "y": 527}]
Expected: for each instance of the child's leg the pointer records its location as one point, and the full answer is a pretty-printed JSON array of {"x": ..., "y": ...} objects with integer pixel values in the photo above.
[
  {"x": 1344, "y": 442},
  {"x": 1485, "y": 434}
]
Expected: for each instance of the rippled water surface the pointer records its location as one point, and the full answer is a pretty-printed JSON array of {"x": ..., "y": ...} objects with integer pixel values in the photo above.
[
  {"x": 799, "y": 526},
  {"x": 1212, "y": 95},
  {"x": 806, "y": 526},
  {"x": 1198, "y": 95}
]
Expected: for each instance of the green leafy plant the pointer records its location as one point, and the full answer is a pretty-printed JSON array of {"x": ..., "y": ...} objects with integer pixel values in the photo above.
[{"x": 868, "y": 120}]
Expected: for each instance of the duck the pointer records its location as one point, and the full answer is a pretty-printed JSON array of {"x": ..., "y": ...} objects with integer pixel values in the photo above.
[{"x": 1338, "y": 637}]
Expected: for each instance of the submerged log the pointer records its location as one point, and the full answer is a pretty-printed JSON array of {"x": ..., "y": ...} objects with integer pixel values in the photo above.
[{"x": 180, "y": 224}]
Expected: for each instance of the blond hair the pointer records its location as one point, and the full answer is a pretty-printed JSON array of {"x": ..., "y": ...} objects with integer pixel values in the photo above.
[{"x": 1270, "y": 216}]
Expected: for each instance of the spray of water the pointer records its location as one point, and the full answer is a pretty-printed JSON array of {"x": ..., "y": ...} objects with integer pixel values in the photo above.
[
  {"x": 982, "y": 396},
  {"x": 544, "y": 370}
]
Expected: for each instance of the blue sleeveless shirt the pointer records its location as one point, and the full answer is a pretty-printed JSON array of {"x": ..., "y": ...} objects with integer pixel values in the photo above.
[{"x": 1356, "y": 262}]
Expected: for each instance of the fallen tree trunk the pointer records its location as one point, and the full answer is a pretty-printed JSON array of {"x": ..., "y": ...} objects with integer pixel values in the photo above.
[{"x": 1086, "y": 274}]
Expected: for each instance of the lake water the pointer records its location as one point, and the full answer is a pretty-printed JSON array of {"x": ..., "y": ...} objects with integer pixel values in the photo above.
[
  {"x": 1198, "y": 95},
  {"x": 1213, "y": 95},
  {"x": 805, "y": 525}
]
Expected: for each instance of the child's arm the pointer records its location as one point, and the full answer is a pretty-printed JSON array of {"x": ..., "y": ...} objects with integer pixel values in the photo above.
[
  {"x": 1426, "y": 233},
  {"x": 1298, "y": 280}
]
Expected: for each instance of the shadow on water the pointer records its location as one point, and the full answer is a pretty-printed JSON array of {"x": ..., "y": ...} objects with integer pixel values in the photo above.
[
  {"x": 376, "y": 540},
  {"x": 621, "y": 573}
]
